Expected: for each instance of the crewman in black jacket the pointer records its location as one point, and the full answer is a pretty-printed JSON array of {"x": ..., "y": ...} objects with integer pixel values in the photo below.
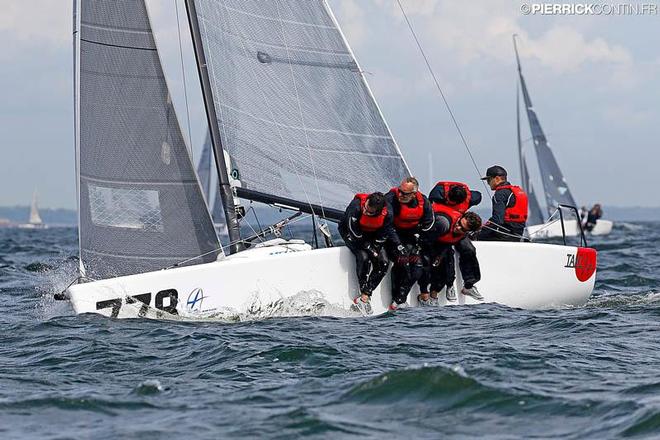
[
  {"x": 413, "y": 217},
  {"x": 366, "y": 227},
  {"x": 507, "y": 222}
]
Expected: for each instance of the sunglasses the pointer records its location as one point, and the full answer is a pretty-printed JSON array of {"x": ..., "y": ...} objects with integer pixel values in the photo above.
[{"x": 406, "y": 194}]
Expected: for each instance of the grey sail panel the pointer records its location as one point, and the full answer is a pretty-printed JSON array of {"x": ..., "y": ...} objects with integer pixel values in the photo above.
[
  {"x": 535, "y": 215},
  {"x": 218, "y": 212},
  {"x": 554, "y": 184},
  {"x": 204, "y": 168},
  {"x": 141, "y": 206},
  {"x": 294, "y": 111}
]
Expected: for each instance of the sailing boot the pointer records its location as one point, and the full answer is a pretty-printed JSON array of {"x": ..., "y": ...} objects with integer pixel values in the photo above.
[
  {"x": 361, "y": 306},
  {"x": 425, "y": 302},
  {"x": 451, "y": 293},
  {"x": 472, "y": 292}
]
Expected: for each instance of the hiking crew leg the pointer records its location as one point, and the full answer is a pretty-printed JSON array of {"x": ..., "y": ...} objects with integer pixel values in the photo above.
[
  {"x": 449, "y": 265},
  {"x": 468, "y": 262},
  {"x": 438, "y": 269},
  {"x": 379, "y": 266}
]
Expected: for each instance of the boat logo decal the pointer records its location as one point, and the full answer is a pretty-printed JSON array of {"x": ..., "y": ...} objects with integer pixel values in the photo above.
[
  {"x": 584, "y": 263},
  {"x": 194, "y": 302}
]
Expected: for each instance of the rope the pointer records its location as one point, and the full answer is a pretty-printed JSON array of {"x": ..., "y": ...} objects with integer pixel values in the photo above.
[
  {"x": 221, "y": 248},
  {"x": 444, "y": 99},
  {"x": 61, "y": 296},
  {"x": 183, "y": 72}
]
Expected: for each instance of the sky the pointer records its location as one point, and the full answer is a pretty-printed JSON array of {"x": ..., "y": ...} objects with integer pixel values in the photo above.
[{"x": 594, "y": 81}]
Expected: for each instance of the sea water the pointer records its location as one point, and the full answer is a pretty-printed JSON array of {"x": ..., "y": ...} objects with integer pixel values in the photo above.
[{"x": 462, "y": 371}]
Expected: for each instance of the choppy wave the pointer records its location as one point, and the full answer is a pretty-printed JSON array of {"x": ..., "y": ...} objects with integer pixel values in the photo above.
[{"x": 281, "y": 370}]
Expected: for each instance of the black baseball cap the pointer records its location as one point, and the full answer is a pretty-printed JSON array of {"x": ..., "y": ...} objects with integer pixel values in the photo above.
[{"x": 494, "y": 171}]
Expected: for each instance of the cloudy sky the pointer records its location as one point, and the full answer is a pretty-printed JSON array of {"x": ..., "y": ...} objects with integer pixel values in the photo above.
[{"x": 594, "y": 81}]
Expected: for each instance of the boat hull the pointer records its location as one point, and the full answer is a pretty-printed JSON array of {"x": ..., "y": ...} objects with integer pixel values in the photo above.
[
  {"x": 523, "y": 275},
  {"x": 553, "y": 229}
]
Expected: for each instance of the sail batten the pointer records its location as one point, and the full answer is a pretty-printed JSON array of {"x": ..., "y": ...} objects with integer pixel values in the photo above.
[
  {"x": 140, "y": 205},
  {"x": 293, "y": 109}
]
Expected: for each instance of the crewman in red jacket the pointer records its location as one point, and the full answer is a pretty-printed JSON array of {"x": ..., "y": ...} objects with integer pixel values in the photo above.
[
  {"x": 457, "y": 196},
  {"x": 366, "y": 227},
  {"x": 413, "y": 217},
  {"x": 507, "y": 223}
]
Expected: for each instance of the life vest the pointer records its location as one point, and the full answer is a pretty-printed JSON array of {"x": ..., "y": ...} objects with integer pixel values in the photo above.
[
  {"x": 408, "y": 217},
  {"x": 454, "y": 216},
  {"x": 465, "y": 204},
  {"x": 518, "y": 212},
  {"x": 370, "y": 223}
]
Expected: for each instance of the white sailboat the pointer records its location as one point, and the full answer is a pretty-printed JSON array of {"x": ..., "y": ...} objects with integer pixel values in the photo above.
[
  {"x": 290, "y": 108},
  {"x": 34, "y": 222},
  {"x": 555, "y": 186}
]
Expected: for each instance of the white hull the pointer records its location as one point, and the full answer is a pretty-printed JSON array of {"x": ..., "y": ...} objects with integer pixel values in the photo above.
[
  {"x": 553, "y": 229},
  {"x": 524, "y": 275},
  {"x": 33, "y": 226}
]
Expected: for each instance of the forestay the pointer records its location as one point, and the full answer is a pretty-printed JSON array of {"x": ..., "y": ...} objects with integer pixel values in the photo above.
[
  {"x": 294, "y": 111},
  {"x": 140, "y": 204}
]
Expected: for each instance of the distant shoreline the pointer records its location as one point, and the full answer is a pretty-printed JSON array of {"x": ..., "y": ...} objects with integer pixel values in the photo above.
[{"x": 12, "y": 216}]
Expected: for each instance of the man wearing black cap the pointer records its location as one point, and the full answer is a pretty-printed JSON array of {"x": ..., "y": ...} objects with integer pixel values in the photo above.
[{"x": 507, "y": 223}]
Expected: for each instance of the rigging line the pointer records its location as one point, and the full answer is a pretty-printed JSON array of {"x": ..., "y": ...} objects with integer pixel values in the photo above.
[
  {"x": 183, "y": 72},
  {"x": 302, "y": 117},
  {"x": 444, "y": 99},
  {"x": 243, "y": 39},
  {"x": 221, "y": 248}
]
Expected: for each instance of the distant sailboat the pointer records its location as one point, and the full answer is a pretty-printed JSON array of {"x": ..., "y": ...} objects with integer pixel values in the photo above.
[
  {"x": 35, "y": 221},
  {"x": 555, "y": 186}
]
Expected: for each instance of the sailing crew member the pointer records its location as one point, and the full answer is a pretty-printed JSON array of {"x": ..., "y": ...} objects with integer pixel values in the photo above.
[
  {"x": 507, "y": 222},
  {"x": 458, "y": 196},
  {"x": 451, "y": 228},
  {"x": 594, "y": 214},
  {"x": 413, "y": 217},
  {"x": 366, "y": 227}
]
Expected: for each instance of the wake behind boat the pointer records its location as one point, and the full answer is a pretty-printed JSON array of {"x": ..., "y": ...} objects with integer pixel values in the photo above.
[{"x": 292, "y": 121}]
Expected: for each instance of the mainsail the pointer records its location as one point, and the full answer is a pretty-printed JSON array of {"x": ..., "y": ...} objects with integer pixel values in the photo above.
[
  {"x": 140, "y": 204},
  {"x": 293, "y": 109},
  {"x": 554, "y": 183},
  {"x": 205, "y": 169},
  {"x": 535, "y": 213}
]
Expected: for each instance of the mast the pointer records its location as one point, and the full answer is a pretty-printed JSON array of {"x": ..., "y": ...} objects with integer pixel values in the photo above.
[
  {"x": 76, "y": 117},
  {"x": 221, "y": 166},
  {"x": 520, "y": 155}
]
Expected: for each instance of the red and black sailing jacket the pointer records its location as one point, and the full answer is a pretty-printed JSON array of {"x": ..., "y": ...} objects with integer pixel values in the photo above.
[
  {"x": 408, "y": 217},
  {"x": 518, "y": 212},
  {"x": 370, "y": 223},
  {"x": 460, "y": 207},
  {"x": 454, "y": 217}
]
